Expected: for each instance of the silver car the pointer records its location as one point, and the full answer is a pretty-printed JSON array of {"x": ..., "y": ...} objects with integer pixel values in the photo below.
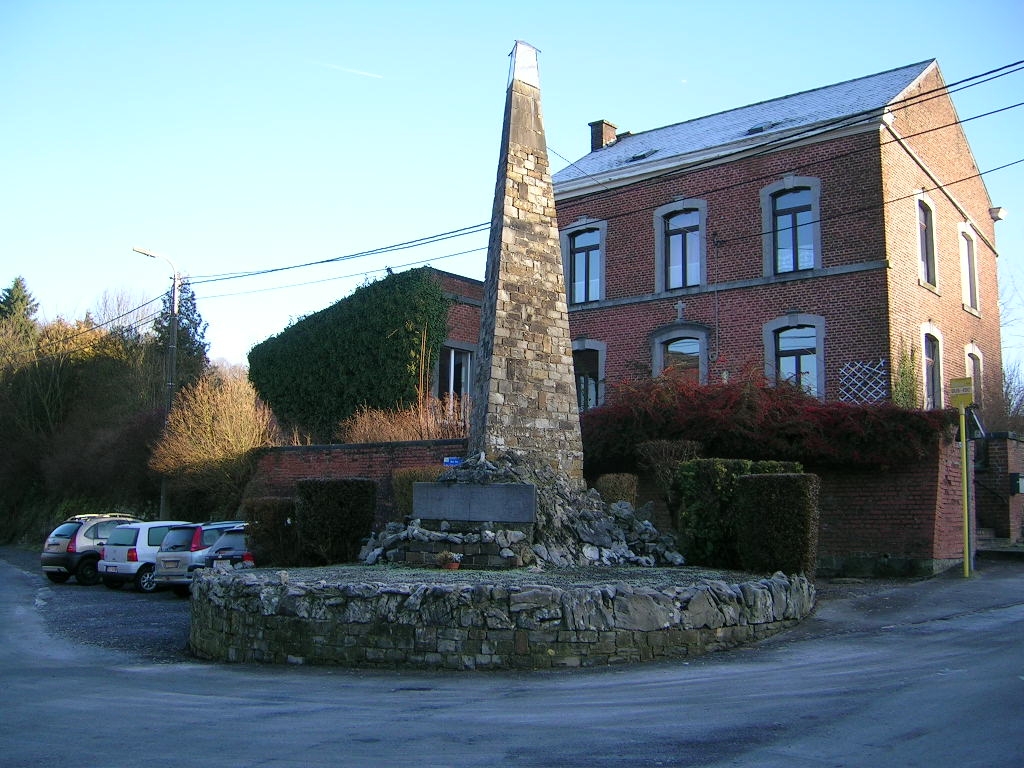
[
  {"x": 184, "y": 549},
  {"x": 130, "y": 554},
  {"x": 73, "y": 547}
]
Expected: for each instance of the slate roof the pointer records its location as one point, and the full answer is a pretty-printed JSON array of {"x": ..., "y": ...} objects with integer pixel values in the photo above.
[{"x": 842, "y": 104}]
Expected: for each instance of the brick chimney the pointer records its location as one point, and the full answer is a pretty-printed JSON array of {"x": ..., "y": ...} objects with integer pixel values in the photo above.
[{"x": 602, "y": 133}]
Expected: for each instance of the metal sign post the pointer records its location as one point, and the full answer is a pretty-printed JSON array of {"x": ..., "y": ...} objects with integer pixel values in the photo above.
[{"x": 961, "y": 393}]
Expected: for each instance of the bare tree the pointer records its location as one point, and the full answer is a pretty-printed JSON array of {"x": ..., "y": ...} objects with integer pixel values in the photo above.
[{"x": 211, "y": 432}]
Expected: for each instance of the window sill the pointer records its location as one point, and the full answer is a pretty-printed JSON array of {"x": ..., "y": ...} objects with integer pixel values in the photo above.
[
  {"x": 971, "y": 310},
  {"x": 929, "y": 287}
]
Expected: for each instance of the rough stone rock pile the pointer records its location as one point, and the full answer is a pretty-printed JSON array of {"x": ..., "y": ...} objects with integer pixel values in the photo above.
[{"x": 572, "y": 527}]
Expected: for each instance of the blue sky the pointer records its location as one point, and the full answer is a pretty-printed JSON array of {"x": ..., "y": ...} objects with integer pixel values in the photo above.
[{"x": 240, "y": 136}]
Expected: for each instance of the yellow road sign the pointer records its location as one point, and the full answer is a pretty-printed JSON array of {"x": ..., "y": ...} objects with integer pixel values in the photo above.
[{"x": 961, "y": 392}]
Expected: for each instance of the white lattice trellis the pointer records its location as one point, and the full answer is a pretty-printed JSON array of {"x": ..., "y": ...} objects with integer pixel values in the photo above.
[{"x": 864, "y": 381}]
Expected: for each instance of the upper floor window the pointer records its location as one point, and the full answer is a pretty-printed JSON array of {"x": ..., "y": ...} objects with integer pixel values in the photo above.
[
  {"x": 926, "y": 242},
  {"x": 968, "y": 270},
  {"x": 679, "y": 240},
  {"x": 792, "y": 231},
  {"x": 583, "y": 251},
  {"x": 794, "y": 241},
  {"x": 794, "y": 351}
]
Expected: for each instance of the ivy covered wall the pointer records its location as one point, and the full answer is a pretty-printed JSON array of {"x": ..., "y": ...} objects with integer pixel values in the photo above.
[{"x": 367, "y": 349}]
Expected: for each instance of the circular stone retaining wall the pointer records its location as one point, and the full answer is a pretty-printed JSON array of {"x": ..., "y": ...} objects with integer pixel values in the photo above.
[{"x": 269, "y": 617}]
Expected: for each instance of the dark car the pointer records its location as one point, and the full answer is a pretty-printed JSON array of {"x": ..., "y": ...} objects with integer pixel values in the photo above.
[
  {"x": 184, "y": 549},
  {"x": 73, "y": 547},
  {"x": 231, "y": 550}
]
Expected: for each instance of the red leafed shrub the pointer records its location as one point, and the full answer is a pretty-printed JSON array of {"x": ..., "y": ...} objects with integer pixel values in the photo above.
[{"x": 749, "y": 419}]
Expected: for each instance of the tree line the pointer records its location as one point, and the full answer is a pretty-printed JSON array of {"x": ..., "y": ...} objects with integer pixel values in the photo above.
[{"x": 83, "y": 422}]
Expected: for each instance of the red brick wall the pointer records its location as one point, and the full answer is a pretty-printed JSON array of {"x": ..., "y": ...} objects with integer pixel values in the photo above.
[
  {"x": 998, "y": 509},
  {"x": 278, "y": 469},
  {"x": 906, "y": 520},
  {"x": 868, "y": 211}
]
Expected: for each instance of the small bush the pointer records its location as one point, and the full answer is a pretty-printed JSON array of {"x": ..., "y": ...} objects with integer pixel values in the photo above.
[
  {"x": 777, "y": 520},
  {"x": 334, "y": 516},
  {"x": 402, "y": 481},
  {"x": 272, "y": 530},
  {"x": 617, "y": 487},
  {"x": 705, "y": 515},
  {"x": 661, "y": 458}
]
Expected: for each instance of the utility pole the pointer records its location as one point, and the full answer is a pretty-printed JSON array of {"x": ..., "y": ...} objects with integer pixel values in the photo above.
[{"x": 172, "y": 361}]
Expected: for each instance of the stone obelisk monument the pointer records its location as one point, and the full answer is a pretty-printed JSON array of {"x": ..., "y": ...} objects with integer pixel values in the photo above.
[{"x": 524, "y": 395}]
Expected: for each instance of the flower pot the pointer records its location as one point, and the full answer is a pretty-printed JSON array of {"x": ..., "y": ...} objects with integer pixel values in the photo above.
[{"x": 451, "y": 566}]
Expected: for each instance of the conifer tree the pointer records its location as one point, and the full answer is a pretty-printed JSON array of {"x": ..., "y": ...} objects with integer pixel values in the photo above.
[{"x": 191, "y": 358}]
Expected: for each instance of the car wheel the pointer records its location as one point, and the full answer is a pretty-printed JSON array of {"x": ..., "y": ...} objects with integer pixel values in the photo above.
[
  {"x": 145, "y": 579},
  {"x": 87, "y": 574},
  {"x": 57, "y": 578},
  {"x": 182, "y": 590},
  {"x": 110, "y": 583}
]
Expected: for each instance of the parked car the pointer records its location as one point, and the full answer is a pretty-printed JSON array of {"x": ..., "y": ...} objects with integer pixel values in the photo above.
[
  {"x": 130, "y": 554},
  {"x": 184, "y": 549},
  {"x": 73, "y": 547},
  {"x": 231, "y": 550}
]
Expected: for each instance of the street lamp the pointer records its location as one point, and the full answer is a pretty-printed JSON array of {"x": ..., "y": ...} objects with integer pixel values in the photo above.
[{"x": 172, "y": 355}]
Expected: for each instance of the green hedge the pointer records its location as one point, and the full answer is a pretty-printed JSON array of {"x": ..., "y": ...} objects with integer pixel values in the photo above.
[
  {"x": 334, "y": 516},
  {"x": 704, "y": 513},
  {"x": 273, "y": 534},
  {"x": 401, "y": 487},
  {"x": 777, "y": 518}
]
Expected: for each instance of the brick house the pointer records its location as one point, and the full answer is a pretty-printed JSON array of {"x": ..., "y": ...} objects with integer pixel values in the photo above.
[{"x": 840, "y": 238}]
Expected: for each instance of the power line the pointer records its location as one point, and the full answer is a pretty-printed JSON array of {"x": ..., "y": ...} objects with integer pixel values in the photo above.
[{"x": 766, "y": 146}]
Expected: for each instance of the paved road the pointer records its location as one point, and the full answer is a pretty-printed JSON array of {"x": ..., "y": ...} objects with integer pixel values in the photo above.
[{"x": 929, "y": 673}]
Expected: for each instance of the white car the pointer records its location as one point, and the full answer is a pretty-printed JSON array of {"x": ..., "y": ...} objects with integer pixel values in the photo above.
[{"x": 130, "y": 554}]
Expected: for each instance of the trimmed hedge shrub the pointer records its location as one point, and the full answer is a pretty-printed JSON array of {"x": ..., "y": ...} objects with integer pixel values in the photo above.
[
  {"x": 777, "y": 520},
  {"x": 705, "y": 515},
  {"x": 401, "y": 487},
  {"x": 617, "y": 487},
  {"x": 272, "y": 530},
  {"x": 334, "y": 516}
]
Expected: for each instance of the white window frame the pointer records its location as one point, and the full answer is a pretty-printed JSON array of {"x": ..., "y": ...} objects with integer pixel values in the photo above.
[
  {"x": 665, "y": 334},
  {"x": 972, "y": 350},
  {"x": 929, "y": 329},
  {"x": 787, "y": 184},
  {"x": 969, "y": 268},
  {"x": 565, "y": 240},
  {"x": 793, "y": 320},
  {"x": 581, "y": 345},
  {"x": 919, "y": 200},
  {"x": 660, "y": 214}
]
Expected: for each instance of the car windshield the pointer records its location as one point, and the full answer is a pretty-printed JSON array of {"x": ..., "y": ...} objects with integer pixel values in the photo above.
[
  {"x": 177, "y": 539},
  {"x": 125, "y": 537},
  {"x": 66, "y": 530}
]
